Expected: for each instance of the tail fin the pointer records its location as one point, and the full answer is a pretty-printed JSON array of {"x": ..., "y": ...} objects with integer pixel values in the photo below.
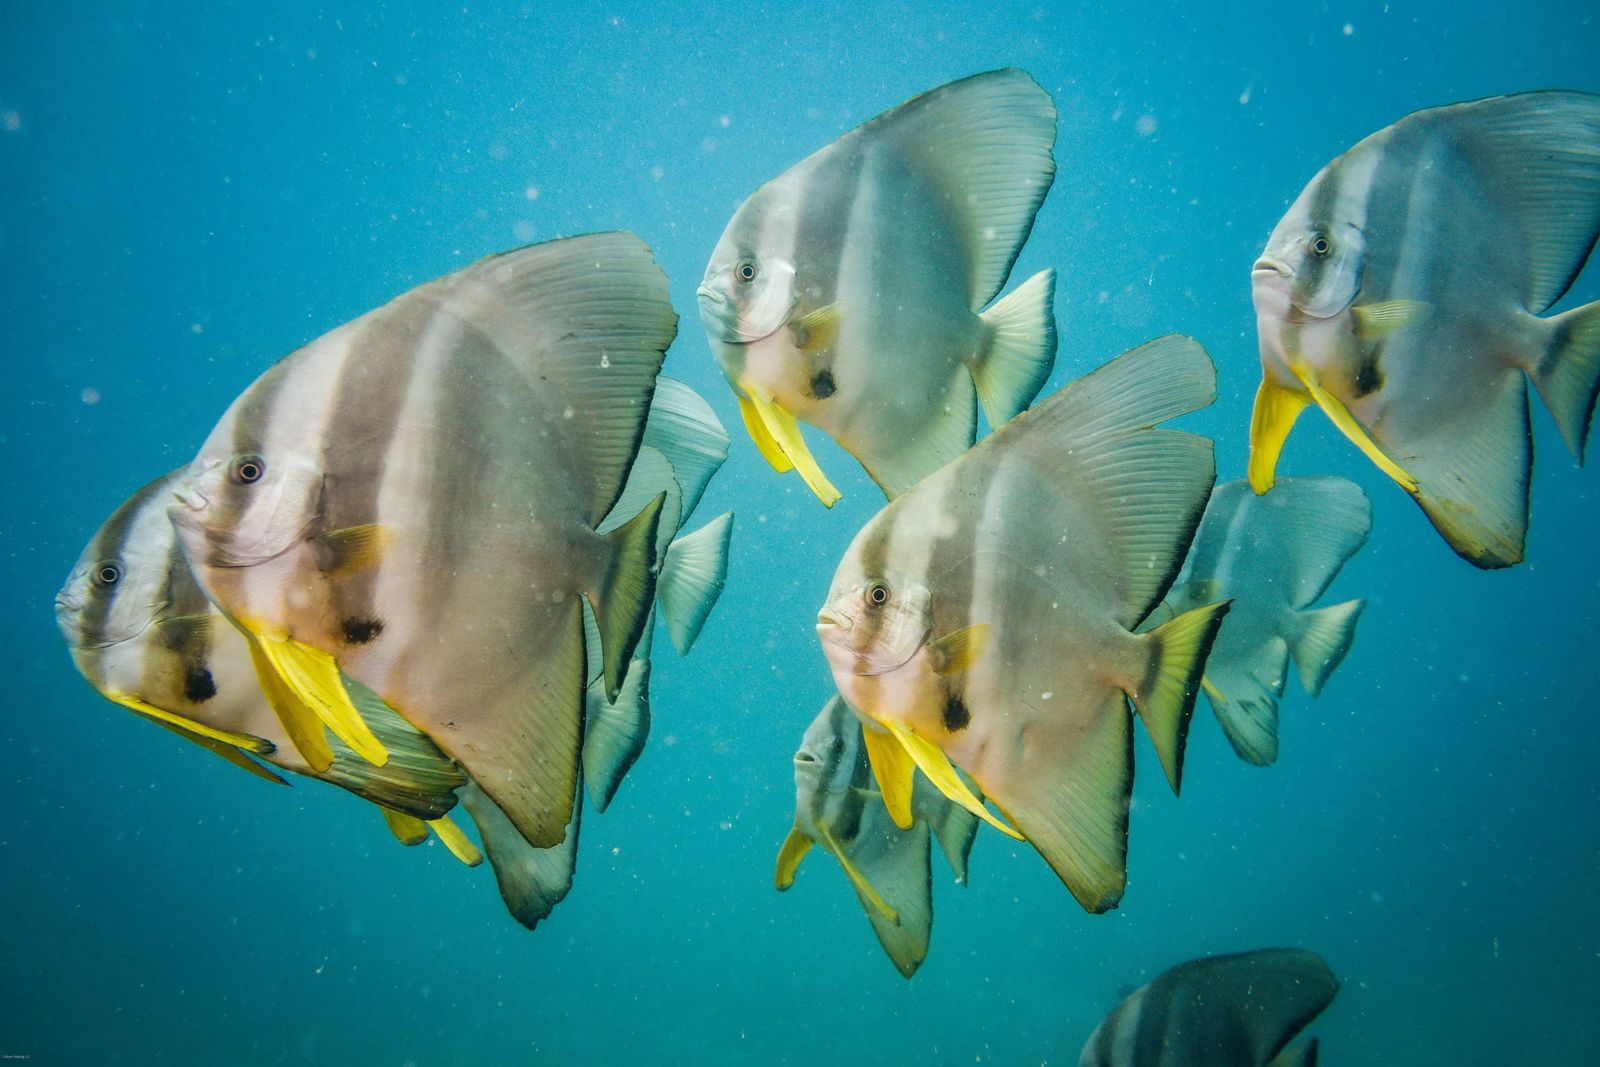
[
  {"x": 1021, "y": 348},
  {"x": 692, "y": 577},
  {"x": 623, "y": 607},
  {"x": 1247, "y": 710},
  {"x": 1323, "y": 642},
  {"x": 683, "y": 428},
  {"x": 1165, "y": 700},
  {"x": 1569, "y": 375}
]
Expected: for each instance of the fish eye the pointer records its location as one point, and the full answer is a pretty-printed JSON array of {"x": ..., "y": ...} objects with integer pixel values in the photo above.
[
  {"x": 746, "y": 270},
  {"x": 107, "y": 574},
  {"x": 878, "y": 594},
  {"x": 1320, "y": 245},
  {"x": 247, "y": 470}
]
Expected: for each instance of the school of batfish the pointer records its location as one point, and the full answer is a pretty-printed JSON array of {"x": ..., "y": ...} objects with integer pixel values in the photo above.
[{"x": 294, "y": 599}]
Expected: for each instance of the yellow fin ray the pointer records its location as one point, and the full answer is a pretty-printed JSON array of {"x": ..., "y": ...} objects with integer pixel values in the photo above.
[
  {"x": 868, "y": 891},
  {"x": 1374, "y": 321},
  {"x": 769, "y": 449},
  {"x": 936, "y": 765},
  {"x": 299, "y": 722},
  {"x": 451, "y": 836},
  {"x": 784, "y": 431},
  {"x": 959, "y": 649},
  {"x": 408, "y": 830},
  {"x": 794, "y": 849},
  {"x": 1341, "y": 417},
  {"x": 818, "y": 330},
  {"x": 258, "y": 746},
  {"x": 1275, "y": 413},
  {"x": 893, "y": 768},
  {"x": 312, "y": 677},
  {"x": 228, "y": 752},
  {"x": 354, "y": 549}
]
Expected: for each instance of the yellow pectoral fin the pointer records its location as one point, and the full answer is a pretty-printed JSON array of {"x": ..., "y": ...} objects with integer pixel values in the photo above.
[
  {"x": 784, "y": 431},
  {"x": 312, "y": 676},
  {"x": 867, "y": 890},
  {"x": 818, "y": 330},
  {"x": 408, "y": 830},
  {"x": 794, "y": 849},
  {"x": 354, "y": 549},
  {"x": 893, "y": 768},
  {"x": 936, "y": 765},
  {"x": 1341, "y": 417},
  {"x": 1275, "y": 413},
  {"x": 1374, "y": 321},
  {"x": 457, "y": 842},
  {"x": 958, "y": 650},
  {"x": 299, "y": 722},
  {"x": 769, "y": 449},
  {"x": 228, "y": 752},
  {"x": 259, "y": 746}
]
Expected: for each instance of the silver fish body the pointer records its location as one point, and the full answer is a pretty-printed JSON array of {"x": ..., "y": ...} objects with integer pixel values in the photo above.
[{"x": 1402, "y": 293}]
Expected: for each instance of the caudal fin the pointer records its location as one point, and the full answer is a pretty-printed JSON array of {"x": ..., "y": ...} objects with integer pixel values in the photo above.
[
  {"x": 1165, "y": 699},
  {"x": 1568, "y": 378},
  {"x": 1021, "y": 348},
  {"x": 692, "y": 577},
  {"x": 1323, "y": 642}
]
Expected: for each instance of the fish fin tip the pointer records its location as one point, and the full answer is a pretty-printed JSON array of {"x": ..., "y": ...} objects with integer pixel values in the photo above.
[
  {"x": 794, "y": 849},
  {"x": 692, "y": 577},
  {"x": 1276, "y": 410},
  {"x": 1568, "y": 377},
  {"x": 765, "y": 444},
  {"x": 1357, "y": 434},
  {"x": 1323, "y": 642},
  {"x": 622, "y": 608},
  {"x": 453, "y": 838},
  {"x": 894, "y": 771},
  {"x": 783, "y": 430},
  {"x": 1020, "y": 348},
  {"x": 407, "y": 829},
  {"x": 1165, "y": 700}
]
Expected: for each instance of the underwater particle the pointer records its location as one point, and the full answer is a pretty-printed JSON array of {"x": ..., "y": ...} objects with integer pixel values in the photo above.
[
  {"x": 523, "y": 230},
  {"x": 708, "y": 144},
  {"x": 531, "y": 192},
  {"x": 90, "y": 395},
  {"x": 498, "y": 151},
  {"x": 196, "y": 328},
  {"x": 724, "y": 121},
  {"x": 11, "y": 120},
  {"x": 1349, "y": 29},
  {"x": 657, "y": 172},
  {"x": 1145, "y": 126}
]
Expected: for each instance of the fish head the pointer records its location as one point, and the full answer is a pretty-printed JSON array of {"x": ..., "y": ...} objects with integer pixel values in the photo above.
[
  {"x": 873, "y": 623},
  {"x": 243, "y": 502},
  {"x": 1311, "y": 268},
  {"x": 123, "y": 582},
  {"x": 750, "y": 289},
  {"x": 825, "y": 763}
]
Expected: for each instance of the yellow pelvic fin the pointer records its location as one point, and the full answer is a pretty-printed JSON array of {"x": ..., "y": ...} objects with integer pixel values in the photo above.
[
  {"x": 354, "y": 548},
  {"x": 868, "y": 891},
  {"x": 1336, "y": 411},
  {"x": 782, "y": 428},
  {"x": 818, "y": 330},
  {"x": 259, "y": 746},
  {"x": 299, "y": 722},
  {"x": 312, "y": 677},
  {"x": 769, "y": 449},
  {"x": 893, "y": 768},
  {"x": 227, "y": 752},
  {"x": 1374, "y": 321},
  {"x": 1276, "y": 410},
  {"x": 407, "y": 829},
  {"x": 1213, "y": 692},
  {"x": 450, "y": 835},
  {"x": 936, "y": 765},
  {"x": 959, "y": 649},
  {"x": 794, "y": 849}
]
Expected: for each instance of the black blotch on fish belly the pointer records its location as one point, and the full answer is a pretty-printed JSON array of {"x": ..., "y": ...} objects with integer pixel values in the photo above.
[
  {"x": 361, "y": 631},
  {"x": 1369, "y": 379},
  {"x": 956, "y": 715},
  {"x": 822, "y": 384},
  {"x": 198, "y": 685}
]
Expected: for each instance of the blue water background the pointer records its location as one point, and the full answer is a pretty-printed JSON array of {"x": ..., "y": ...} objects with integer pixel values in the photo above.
[{"x": 188, "y": 192}]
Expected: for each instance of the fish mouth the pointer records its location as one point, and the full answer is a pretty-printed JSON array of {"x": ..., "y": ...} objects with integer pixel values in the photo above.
[
  {"x": 1267, "y": 268},
  {"x": 829, "y": 619},
  {"x": 190, "y": 497}
]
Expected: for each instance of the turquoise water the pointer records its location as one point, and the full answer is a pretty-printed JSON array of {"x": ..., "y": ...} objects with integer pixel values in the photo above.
[{"x": 189, "y": 192}]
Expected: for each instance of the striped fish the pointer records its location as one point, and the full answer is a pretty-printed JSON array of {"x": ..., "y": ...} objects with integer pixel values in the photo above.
[
  {"x": 1272, "y": 556},
  {"x": 836, "y": 806},
  {"x": 846, "y": 291},
  {"x": 143, "y": 634},
  {"x": 413, "y": 499},
  {"x": 1402, "y": 294},
  {"x": 986, "y": 616},
  {"x": 1222, "y": 1011}
]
